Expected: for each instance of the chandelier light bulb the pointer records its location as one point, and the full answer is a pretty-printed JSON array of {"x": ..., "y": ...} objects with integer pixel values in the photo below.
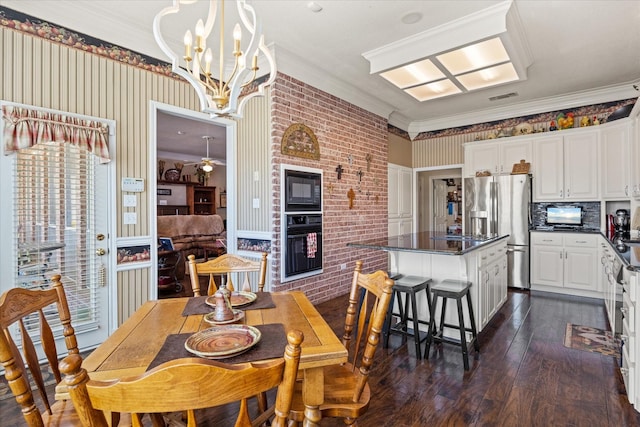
[
  {"x": 207, "y": 168},
  {"x": 188, "y": 41},
  {"x": 199, "y": 35},
  {"x": 208, "y": 57}
]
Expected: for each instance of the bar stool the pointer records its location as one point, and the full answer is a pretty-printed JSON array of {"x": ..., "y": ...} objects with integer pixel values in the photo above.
[
  {"x": 452, "y": 289},
  {"x": 409, "y": 286}
]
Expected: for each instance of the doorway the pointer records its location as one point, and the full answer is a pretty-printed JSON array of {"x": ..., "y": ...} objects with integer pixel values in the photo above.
[
  {"x": 439, "y": 199},
  {"x": 182, "y": 139}
]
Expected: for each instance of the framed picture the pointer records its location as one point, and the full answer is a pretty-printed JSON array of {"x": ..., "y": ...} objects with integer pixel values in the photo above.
[
  {"x": 223, "y": 200},
  {"x": 163, "y": 191},
  {"x": 165, "y": 244}
]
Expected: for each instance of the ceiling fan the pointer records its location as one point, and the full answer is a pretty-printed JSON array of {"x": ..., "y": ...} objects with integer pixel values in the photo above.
[{"x": 207, "y": 162}]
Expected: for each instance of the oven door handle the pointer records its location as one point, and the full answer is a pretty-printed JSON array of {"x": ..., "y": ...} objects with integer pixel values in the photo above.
[{"x": 296, "y": 236}]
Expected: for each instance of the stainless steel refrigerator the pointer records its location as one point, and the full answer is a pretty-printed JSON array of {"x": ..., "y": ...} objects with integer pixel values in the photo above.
[{"x": 499, "y": 205}]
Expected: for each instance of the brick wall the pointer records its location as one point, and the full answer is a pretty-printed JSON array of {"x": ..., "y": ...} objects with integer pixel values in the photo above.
[{"x": 342, "y": 130}]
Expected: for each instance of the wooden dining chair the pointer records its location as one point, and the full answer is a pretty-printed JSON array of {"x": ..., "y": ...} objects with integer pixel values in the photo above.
[
  {"x": 346, "y": 388},
  {"x": 33, "y": 310},
  {"x": 225, "y": 265},
  {"x": 186, "y": 385}
]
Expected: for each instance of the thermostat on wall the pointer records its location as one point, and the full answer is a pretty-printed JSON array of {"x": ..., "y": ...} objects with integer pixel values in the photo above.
[{"x": 133, "y": 185}]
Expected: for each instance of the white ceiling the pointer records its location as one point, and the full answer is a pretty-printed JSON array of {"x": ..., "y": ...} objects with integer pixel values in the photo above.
[{"x": 583, "y": 51}]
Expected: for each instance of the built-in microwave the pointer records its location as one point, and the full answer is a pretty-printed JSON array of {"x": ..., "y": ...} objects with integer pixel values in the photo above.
[{"x": 302, "y": 191}]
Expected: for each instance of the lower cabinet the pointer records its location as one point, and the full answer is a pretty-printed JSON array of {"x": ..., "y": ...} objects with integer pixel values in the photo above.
[
  {"x": 567, "y": 261},
  {"x": 399, "y": 226},
  {"x": 630, "y": 350},
  {"x": 492, "y": 279}
]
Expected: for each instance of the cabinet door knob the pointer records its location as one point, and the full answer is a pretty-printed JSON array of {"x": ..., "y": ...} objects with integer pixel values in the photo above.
[{"x": 100, "y": 251}]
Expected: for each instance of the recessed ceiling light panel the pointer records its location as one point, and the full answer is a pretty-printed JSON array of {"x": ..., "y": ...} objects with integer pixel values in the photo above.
[
  {"x": 489, "y": 77},
  {"x": 433, "y": 90},
  {"x": 475, "y": 56},
  {"x": 413, "y": 74}
]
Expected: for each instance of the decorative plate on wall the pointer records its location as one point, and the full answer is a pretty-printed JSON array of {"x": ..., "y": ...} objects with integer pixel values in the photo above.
[
  {"x": 172, "y": 175},
  {"x": 299, "y": 141}
]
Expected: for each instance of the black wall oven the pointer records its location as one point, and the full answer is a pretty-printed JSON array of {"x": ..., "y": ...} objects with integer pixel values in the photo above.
[{"x": 303, "y": 251}]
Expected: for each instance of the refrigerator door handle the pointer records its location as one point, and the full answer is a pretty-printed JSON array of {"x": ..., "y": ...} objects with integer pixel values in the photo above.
[{"x": 515, "y": 250}]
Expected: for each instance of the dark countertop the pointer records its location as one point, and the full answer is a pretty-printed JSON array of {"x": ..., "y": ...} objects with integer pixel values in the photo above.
[{"x": 428, "y": 242}]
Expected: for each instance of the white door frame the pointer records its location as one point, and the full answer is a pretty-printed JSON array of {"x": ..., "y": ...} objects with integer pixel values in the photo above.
[
  {"x": 231, "y": 135},
  {"x": 416, "y": 196}
]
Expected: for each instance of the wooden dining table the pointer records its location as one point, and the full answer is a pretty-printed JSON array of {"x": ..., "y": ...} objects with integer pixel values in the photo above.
[{"x": 135, "y": 344}]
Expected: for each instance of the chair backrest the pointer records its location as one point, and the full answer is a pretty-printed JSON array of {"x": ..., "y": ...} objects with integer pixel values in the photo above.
[
  {"x": 15, "y": 306},
  {"x": 224, "y": 266},
  {"x": 369, "y": 300},
  {"x": 186, "y": 385}
]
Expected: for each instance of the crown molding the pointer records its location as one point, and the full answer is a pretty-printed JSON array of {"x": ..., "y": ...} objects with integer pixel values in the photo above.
[
  {"x": 296, "y": 67},
  {"x": 562, "y": 102}
]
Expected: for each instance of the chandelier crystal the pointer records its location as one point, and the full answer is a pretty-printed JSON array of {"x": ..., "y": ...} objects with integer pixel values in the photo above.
[{"x": 219, "y": 93}]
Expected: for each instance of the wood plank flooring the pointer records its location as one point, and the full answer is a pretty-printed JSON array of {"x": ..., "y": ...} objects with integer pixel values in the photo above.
[{"x": 523, "y": 375}]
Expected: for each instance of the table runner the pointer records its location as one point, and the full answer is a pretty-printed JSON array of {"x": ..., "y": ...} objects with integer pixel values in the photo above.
[
  {"x": 197, "y": 305},
  {"x": 270, "y": 346}
]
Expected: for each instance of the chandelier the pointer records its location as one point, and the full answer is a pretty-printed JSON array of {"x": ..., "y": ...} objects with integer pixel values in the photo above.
[{"x": 219, "y": 94}]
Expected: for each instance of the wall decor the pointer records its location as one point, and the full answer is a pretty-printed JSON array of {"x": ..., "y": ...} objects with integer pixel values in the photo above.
[
  {"x": 339, "y": 170},
  {"x": 300, "y": 141},
  {"x": 128, "y": 254},
  {"x": 223, "y": 200},
  {"x": 163, "y": 191},
  {"x": 352, "y": 196}
]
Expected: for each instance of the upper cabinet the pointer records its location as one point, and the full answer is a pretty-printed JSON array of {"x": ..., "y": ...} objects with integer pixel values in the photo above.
[
  {"x": 615, "y": 165},
  {"x": 480, "y": 157},
  {"x": 496, "y": 157},
  {"x": 635, "y": 159},
  {"x": 565, "y": 167}
]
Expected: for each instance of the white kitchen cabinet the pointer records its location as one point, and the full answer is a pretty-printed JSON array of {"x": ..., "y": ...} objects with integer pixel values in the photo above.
[
  {"x": 492, "y": 279},
  {"x": 634, "y": 132},
  {"x": 547, "y": 259},
  {"x": 400, "y": 204},
  {"x": 565, "y": 262},
  {"x": 480, "y": 156},
  {"x": 615, "y": 161},
  {"x": 399, "y": 226},
  {"x": 630, "y": 343},
  {"x": 566, "y": 166},
  {"x": 548, "y": 168},
  {"x": 513, "y": 152},
  {"x": 495, "y": 157}
]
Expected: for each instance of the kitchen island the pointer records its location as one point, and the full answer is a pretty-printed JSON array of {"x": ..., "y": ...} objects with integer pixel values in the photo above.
[{"x": 481, "y": 261}]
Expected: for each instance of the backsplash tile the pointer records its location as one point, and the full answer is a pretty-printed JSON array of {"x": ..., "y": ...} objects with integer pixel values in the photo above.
[{"x": 590, "y": 212}]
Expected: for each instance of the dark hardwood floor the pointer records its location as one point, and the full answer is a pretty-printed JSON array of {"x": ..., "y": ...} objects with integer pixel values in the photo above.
[{"x": 523, "y": 375}]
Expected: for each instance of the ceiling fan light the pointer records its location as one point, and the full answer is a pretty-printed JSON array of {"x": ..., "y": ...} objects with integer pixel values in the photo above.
[{"x": 207, "y": 167}]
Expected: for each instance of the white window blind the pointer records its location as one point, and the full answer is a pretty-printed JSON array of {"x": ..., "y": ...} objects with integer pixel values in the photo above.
[{"x": 53, "y": 209}]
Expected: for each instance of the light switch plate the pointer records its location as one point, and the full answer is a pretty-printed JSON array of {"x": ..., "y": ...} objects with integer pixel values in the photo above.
[
  {"x": 256, "y": 203},
  {"x": 129, "y": 200},
  {"x": 130, "y": 217}
]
